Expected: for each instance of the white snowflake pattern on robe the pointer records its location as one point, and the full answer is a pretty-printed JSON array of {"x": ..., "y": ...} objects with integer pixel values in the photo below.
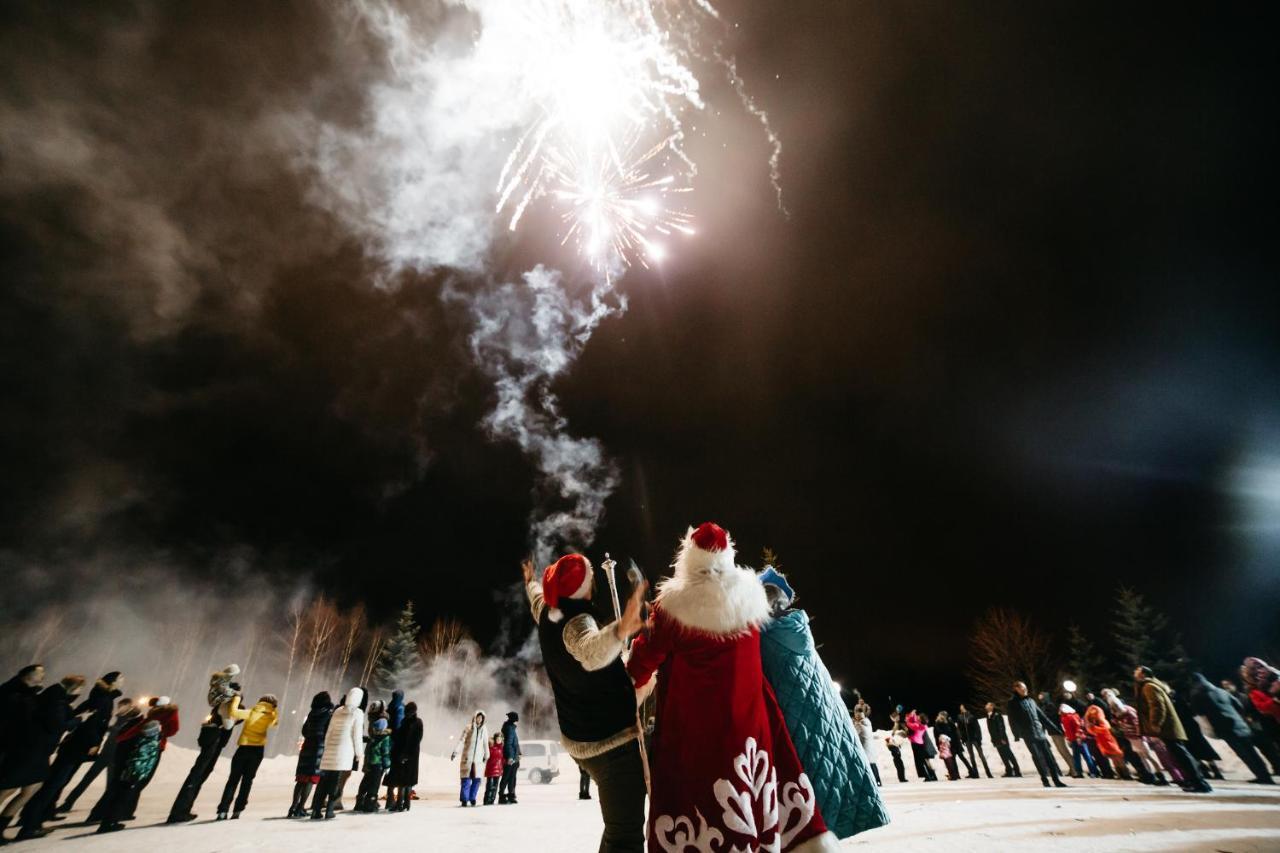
[{"x": 782, "y": 818}]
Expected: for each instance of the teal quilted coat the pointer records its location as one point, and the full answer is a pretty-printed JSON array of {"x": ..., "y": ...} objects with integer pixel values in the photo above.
[{"x": 820, "y": 727}]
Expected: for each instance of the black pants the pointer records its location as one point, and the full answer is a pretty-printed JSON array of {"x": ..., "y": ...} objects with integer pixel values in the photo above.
[
  {"x": 102, "y": 762},
  {"x": 124, "y": 799},
  {"x": 507, "y": 787},
  {"x": 584, "y": 783},
  {"x": 41, "y": 806},
  {"x": 370, "y": 782},
  {"x": 958, "y": 752},
  {"x": 212, "y": 740},
  {"x": 619, "y": 778},
  {"x": 1190, "y": 768},
  {"x": 897, "y": 763},
  {"x": 244, "y": 767},
  {"x": 1009, "y": 759},
  {"x": 976, "y": 749},
  {"x": 1243, "y": 747},
  {"x": 103, "y": 808},
  {"x": 326, "y": 793},
  {"x": 491, "y": 789},
  {"x": 1044, "y": 761},
  {"x": 923, "y": 770}
]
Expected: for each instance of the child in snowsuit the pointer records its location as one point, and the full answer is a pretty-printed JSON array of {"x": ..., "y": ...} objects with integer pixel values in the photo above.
[
  {"x": 1095, "y": 723},
  {"x": 377, "y": 758},
  {"x": 493, "y": 770},
  {"x": 137, "y": 768},
  {"x": 250, "y": 748},
  {"x": 948, "y": 757},
  {"x": 1073, "y": 732}
]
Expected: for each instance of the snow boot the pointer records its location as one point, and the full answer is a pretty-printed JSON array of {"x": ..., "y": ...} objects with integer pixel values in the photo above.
[
  {"x": 221, "y": 816},
  {"x": 235, "y": 815}
]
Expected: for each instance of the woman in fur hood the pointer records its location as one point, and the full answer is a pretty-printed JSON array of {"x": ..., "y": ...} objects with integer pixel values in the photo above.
[
  {"x": 473, "y": 747},
  {"x": 725, "y": 773}
]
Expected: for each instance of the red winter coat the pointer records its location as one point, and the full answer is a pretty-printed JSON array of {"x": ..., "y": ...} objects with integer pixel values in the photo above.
[
  {"x": 493, "y": 767},
  {"x": 1071, "y": 727},
  {"x": 724, "y": 769},
  {"x": 1265, "y": 703},
  {"x": 165, "y": 715}
]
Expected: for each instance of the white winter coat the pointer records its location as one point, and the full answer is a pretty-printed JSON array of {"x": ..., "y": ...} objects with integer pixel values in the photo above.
[
  {"x": 344, "y": 740},
  {"x": 473, "y": 748},
  {"x": 865, "y": 737}
]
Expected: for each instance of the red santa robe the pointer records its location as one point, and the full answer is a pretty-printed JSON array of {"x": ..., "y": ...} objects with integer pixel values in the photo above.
[{"x": 724, "y": 771}]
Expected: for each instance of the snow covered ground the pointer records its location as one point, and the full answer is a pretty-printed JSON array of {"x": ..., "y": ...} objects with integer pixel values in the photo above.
[{"x": 986, "y": 815}]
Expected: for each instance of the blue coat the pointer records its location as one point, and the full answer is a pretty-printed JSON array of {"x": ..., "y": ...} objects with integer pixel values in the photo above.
[{"x": 820, "y": 727}]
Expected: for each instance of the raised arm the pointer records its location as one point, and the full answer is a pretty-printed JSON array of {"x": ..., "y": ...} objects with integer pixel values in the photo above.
[
  {"x": 649, "y": 650},
  {"x": 533, "y": 590}
]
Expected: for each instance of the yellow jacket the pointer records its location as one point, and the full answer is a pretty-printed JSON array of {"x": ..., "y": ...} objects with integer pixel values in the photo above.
[{"x": 257, "y": 721}]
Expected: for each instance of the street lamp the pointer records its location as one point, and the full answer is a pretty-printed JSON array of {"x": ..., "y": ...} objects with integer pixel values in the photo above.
[{"x": 1069, "y": 686}]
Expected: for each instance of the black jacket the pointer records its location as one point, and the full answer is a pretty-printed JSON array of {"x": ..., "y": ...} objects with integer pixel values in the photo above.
[
  {"x": 44, "y": 719},
  {"x": 1217, "y": 705},
  {"x": 949, "y": 729},
  {"x": 591, "y": 706},
  {"x": 406, "y": 743},
  {"x": 995, "y": 726},
  {"x": 100, "y": 705},
  {"x": 1029, "y": 721},
  {"x": 313, "y": 732},
  {"x": 969, "y": 727}
]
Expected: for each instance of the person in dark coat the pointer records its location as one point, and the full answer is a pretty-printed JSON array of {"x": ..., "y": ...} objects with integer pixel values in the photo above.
[
  {"x": 83, "y": 742},
  {"x": 1030, "y": 723},
  {"x": 1000, "y": 740},
  {"x": 215, "y": 733},
  {"x": 511, "y": 760},
  {"x": 1263, "y": 739},
  {"x": 135, "y": 774},
  {"x": 1159, "y": 718},
  {"x": 942, "y": 725},
  {"x": 971, "y": 736},
  {"x": 1197, "y": 744},
  {"x": 1218, "y": 707},
  {"x": 26, "y": 763},
  {"x": 127, "y": 713},
  {"x": 307, "y": 772},
  {"x": 28, "y": 682},
  {"x": 406, "y": 743}
]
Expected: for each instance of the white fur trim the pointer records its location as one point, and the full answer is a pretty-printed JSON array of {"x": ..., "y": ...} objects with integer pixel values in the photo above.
[
  {"x": 824, "y": 843},
  {"x": 708, "y": 592},
  {"x": 555, "y": 614}
]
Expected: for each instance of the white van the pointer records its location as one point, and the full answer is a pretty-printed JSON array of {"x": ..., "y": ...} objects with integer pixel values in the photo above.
[{"x": 541, "y": 758}]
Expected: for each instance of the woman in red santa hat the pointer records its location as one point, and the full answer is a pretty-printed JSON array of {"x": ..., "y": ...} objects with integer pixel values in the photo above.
[{"x": 725, "y": 774}]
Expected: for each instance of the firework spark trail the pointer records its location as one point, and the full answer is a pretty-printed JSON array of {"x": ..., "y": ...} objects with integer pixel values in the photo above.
[{"x": 573, "y": 109}]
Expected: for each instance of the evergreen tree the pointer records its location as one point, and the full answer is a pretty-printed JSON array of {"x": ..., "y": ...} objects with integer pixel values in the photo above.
[
  {"x": 1136, "y": 632},
  {"x": 400, "y": 663},
  {"x": 1084, "y": 664}
]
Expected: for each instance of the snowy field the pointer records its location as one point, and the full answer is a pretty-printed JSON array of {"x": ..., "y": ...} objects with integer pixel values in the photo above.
[{"x": 986, "y": 815}]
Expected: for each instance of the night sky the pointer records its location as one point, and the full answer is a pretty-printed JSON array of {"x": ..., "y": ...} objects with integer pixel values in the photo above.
[{"x": 1015, "y": 343}]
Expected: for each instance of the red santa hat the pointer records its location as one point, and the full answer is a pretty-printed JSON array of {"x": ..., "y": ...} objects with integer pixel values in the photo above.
[
  {"x": 567, "y": 577},
  {"x": 706, "y": 550}
]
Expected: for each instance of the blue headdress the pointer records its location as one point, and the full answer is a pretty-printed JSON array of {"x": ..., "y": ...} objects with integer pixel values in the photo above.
[{"x": 772, "y": 577}]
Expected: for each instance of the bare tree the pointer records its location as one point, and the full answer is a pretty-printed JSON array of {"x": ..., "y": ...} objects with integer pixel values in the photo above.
[
  {"x": 1007, "y": 647},
  {"x": 441, "y": 638},
  {"x": 376, "y": 641}
]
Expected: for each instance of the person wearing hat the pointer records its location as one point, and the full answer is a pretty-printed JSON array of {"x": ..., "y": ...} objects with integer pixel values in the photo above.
[
  {"x": 511, "y": 756},
  {"x": 84, "y": 741},
  {"x": 724, "y": 765},
  {"x": 595, "y": 702},
  {"x": 215, "y": 733},
  {"x": 831, "y": 747}
]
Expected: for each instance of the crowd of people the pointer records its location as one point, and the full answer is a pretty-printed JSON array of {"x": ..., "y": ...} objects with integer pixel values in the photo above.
[
  {"x": 48, "y": 735},
  {"x": 1155, "y": 736},
  {"x": 782, "y": 764}
]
